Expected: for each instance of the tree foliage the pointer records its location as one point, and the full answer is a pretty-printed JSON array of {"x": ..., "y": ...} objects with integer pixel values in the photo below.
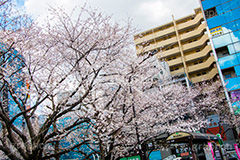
[{"x": 89, "y": 92}]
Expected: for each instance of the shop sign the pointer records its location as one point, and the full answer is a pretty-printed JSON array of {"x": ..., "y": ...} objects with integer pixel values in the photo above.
[
  {"x": 132, "y": 158},
  {"x": 211, "y": 149},
  {"x": 208, "y": 153},
  {"x": 184, "y": 154},
  {"x": 178, "y": 135},
  {"x": 216, "y": 31}
]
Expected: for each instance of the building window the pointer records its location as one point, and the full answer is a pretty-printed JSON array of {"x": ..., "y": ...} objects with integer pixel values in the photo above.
[
  {"x": 229, "y": 73},
  {"x": 210, "y": 12},
  {"x": 222, "y": 52},
  {"x": 155, "y": 79},
  {"x": 153, "y": 52},
  {"x": 227, "y": 76}
]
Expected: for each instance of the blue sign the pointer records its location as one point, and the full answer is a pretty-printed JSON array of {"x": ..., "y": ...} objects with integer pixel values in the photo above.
[{"x": 155, "y": 155}]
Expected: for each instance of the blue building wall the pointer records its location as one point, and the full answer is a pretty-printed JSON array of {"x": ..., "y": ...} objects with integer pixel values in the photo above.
[
  {"x": 11, "y": 59},
  {"x": 16, "y": 61},
  {"x": 223, "y": 20},
  {"x": 80, "y": 131}
]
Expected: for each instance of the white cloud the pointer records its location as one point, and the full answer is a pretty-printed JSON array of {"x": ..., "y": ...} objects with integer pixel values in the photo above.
[
  {"x": 145, "y": 14},
  {"x": 154, "y": 11},
  {"x": 38, "y": 9}
]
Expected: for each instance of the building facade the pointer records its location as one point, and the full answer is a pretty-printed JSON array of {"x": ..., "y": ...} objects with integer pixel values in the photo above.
[
  {"x": 67, "y": 120},
  {"x": 183, "y": 44},
  {"x": 223, "y": 22},
  {"x": 11, "y": 60},
  {"x": 186, "y": 46}
]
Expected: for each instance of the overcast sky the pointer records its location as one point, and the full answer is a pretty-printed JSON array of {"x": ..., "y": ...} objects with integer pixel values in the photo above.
[{"x": 146, "y": 14}]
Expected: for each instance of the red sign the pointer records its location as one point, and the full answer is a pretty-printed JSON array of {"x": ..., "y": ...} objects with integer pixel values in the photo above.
[
  {"x": 215, "y": 130},
  {"x": 184, "y": 154}
]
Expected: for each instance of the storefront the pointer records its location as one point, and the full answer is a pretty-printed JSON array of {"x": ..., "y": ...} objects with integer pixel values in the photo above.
[{"x": 196, "y": 146}]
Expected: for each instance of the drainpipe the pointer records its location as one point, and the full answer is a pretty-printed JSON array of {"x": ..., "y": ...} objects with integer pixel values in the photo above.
[{"x": 180, "y": 48}]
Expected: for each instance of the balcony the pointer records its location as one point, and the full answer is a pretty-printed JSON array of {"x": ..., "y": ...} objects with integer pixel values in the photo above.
[
  {"x": 167, "y": 42},
  {"x": 208, "y": 76},
  {"x": 179, "y": 71},
  {"x": 202, "y": 66},
  {"x": 161, "y": 33},
  {"x": 195, "y": 33},
  {"x": 198, "y": 55},
  {"x": 196, "y": 21},
  {"x": 154, "y": 35},
  {"x": 142, "y": 50},
  {"x": 168, "y": 53},
  {"x": 175, "y": 62},
  {"x": 197, "y": 44}
]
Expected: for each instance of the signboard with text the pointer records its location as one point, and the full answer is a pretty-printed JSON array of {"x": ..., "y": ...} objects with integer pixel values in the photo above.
[
  {"x": 216, "y": 31},
  {"x": 131, "y": 158},
  {"x": 208, "y": 153}
]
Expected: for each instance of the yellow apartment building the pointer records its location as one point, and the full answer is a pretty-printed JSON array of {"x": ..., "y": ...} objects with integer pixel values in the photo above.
[{"x": 183, "y": 44}]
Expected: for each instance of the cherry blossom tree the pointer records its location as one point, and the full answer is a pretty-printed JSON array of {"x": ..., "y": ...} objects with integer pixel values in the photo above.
[
  {"x": 77, "y": 85},
  {"x": 150, "y": 109},
  {"x": 65, "y": 56},
  {"x": 138, "y": 108}
]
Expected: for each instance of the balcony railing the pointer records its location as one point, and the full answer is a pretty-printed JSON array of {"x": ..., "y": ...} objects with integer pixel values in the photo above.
[
  {"x": 207, "y": 76},
  {"x": 202, "y": 66}
]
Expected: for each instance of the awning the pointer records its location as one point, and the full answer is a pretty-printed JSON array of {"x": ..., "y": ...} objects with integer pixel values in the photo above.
[{"x": 186, "y": 136}]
